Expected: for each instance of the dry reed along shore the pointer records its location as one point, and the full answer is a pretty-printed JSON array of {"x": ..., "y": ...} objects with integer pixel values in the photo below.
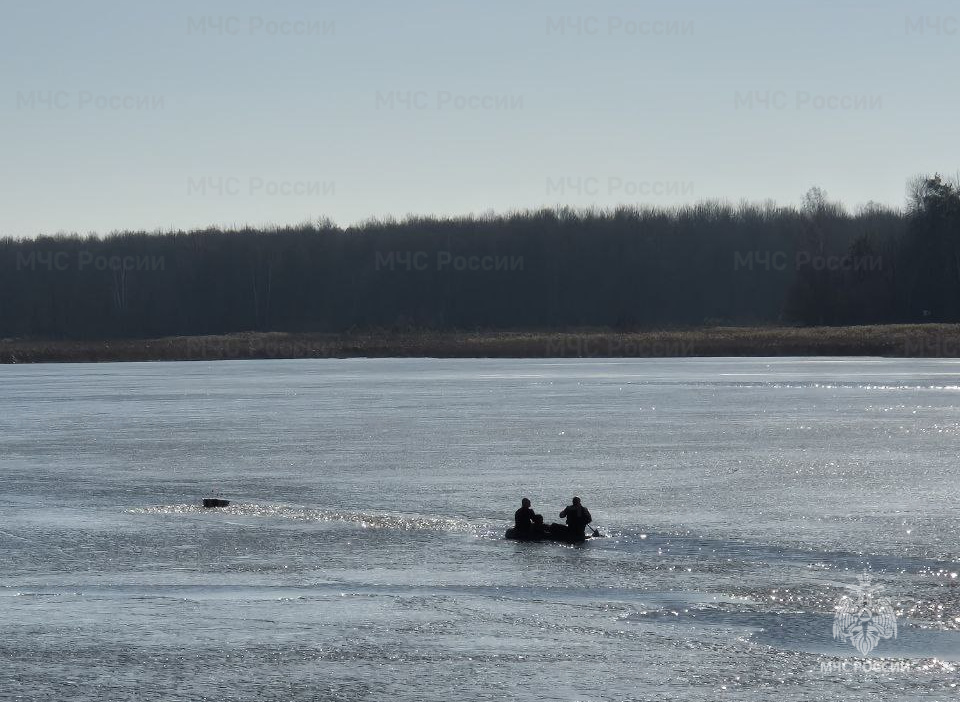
[{"x": 907, "y": 340}]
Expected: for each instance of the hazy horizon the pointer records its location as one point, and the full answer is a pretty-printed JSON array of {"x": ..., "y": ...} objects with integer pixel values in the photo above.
[
  {"x": 390, "y": 218},
  {"x": 172, "y": 117}
]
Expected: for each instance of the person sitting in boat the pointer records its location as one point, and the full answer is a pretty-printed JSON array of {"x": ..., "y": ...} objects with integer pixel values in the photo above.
[
  {"x": 577, "y": 516},
  {"x": 525, "y": 519}
]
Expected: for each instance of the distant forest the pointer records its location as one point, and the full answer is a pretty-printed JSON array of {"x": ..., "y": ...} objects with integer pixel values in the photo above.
[{"x": 627, "y": 269}]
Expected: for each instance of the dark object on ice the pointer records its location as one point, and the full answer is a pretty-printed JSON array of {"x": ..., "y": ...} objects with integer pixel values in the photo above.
[
  {"x": 554, "y": 532},
  {"x": 214, "y": 502}
]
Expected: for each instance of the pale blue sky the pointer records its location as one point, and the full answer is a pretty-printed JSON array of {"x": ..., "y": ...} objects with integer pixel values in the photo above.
[{"x": 185, "y": 114}]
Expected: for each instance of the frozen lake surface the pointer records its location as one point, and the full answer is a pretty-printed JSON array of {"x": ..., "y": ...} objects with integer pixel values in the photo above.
[{"x": 362, "y": 556}]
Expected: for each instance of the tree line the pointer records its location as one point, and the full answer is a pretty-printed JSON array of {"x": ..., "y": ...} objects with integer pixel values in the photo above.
[{"x": 628, "y": 268}]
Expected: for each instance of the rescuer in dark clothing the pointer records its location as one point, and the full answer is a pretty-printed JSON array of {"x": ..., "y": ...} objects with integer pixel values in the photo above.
[
  {"x": 525, "y": 518},
  {"x": 577, "y": 516}
]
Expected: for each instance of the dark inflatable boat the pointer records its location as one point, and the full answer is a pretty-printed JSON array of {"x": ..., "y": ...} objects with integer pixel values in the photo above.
[
  {"x": 555, "y": 532},
  {"x": 209, "y": 502}
]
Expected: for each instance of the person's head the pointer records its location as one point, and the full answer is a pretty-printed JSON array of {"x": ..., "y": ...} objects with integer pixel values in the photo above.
[
  {"x": 576, "y": 500},
  {"x": 525, "y": 502},
  {"x": 538, "y": 519}
]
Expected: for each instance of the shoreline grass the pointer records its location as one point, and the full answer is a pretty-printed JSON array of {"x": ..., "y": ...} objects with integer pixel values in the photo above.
[{"x": 900, "y": 340}]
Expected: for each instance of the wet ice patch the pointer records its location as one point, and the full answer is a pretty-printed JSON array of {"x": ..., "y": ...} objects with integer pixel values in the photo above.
[{"x": 371, "y": 520}]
